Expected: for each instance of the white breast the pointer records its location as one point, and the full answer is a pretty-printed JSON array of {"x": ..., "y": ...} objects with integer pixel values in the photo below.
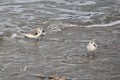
[
  {"x": 32, "y": 36},
  {"x": 91, "y": 47}
]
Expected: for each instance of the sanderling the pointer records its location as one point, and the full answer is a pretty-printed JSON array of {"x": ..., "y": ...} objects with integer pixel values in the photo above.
[
  {"x": 34, "y": 34},
  {"x": 91, "y": 47}
]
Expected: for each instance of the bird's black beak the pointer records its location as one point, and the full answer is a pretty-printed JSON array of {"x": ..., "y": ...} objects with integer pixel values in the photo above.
[
  {"x": 43, "y": 30},
  {"x": 44, "y": 33}
]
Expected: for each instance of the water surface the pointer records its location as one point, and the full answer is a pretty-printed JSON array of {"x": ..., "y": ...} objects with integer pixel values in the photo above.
[{"x": 63, "y": 50}]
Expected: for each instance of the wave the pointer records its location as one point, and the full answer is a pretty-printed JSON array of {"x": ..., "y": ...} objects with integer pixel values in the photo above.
[{"x": 104, "y": 25}]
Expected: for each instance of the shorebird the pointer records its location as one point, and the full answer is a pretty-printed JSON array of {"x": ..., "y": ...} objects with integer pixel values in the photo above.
[
  {"x": 91, "y": 47},
  {"x": 34, "y": 34}
]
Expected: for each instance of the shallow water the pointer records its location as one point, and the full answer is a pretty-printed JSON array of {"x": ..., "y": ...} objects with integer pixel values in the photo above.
[{"x": 63, "y": 50}]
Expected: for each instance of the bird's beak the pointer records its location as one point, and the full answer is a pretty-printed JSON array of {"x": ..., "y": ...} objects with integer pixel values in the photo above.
[{"x": 44, "y": 33}]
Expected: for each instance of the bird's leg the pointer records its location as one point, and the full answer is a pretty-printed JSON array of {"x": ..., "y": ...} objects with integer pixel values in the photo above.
[
  {"x": 88, "y": 53},
  {"x": 37, "y": 39},
  {"x": 93, "y": 54}
]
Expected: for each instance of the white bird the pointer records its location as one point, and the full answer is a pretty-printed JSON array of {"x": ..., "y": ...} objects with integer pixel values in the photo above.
[
  {"x": 34, "y": 34},
  {"x": 91, "y": 47}
]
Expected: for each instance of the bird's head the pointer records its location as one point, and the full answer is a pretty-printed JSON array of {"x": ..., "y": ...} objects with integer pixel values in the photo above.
[{"x": 39, "y": 30}]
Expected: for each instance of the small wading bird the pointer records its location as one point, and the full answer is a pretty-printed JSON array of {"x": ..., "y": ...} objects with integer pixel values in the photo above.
[
  {"x": 34, "y": 34},
  {"x": 91, "y": 48}
]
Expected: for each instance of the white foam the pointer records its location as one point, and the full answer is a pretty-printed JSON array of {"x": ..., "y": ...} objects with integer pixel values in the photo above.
[
  {"x": 104, "y": 25},
  {"x": 14, "y": 35}
]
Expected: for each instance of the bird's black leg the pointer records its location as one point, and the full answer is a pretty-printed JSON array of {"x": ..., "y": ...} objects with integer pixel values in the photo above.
[
  {"x": 37, "y": 39},
  {"x": 93, "y": 54},
  {"x": 88, "y": 54}
]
